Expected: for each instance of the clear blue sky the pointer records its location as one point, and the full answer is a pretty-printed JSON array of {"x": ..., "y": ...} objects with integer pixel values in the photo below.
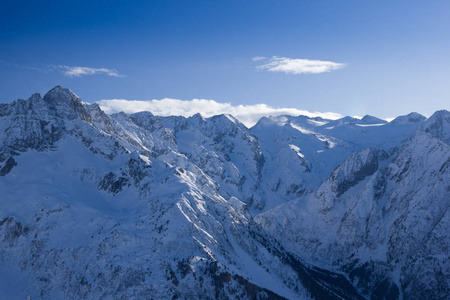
[{"x": 396, "y": 53}]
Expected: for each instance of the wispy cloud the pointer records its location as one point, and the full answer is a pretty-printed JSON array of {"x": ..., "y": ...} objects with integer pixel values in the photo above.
[
  {"x": 22, "y": 67},
  {"x": 258, "y": 58},
  {"x": 83, "y": 71},
  {"x": 247, "y": 114},
  {"x": 297, "y": 65},
  {"x": 68, "y": 70}
]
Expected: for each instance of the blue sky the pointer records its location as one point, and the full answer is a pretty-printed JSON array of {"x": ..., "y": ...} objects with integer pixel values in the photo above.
[{"x": 394, "y": 54}]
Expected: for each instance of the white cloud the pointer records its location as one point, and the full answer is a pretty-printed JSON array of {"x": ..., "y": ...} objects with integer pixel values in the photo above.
[
  {"x": 298, "y": 66},
  {"x": 247, "y": 114},
  {"x": 258, "y": 58},
  {"x": 68, "y": 70},
  {"x": 81, "y": 71}
]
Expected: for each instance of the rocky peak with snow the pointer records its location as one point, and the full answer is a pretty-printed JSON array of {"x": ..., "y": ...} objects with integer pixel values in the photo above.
[
  {"x": 409, "y": 118},
  {"x": 439, "y": 125},
  {"x": 368, "y": 119},
  {"x": 66, "y": 104}
]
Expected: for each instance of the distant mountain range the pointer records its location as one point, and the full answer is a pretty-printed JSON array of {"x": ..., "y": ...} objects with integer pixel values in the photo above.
[{"x": 137, "y": 206}]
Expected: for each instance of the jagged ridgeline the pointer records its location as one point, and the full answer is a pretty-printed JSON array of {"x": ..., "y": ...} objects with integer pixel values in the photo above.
[{"x": 137, "y": 206}]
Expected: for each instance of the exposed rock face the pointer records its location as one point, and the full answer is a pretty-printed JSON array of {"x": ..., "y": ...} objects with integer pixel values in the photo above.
[
  {"x": 139, "y": 206},
  {"x": 354, "y": 169},
  {"x": 9, "y": 164}
]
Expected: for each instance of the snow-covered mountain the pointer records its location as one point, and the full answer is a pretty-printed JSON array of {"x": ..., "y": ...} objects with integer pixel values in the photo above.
[
  {"x": 380, "y": 217},
  {"x": 139, "y": 206}
]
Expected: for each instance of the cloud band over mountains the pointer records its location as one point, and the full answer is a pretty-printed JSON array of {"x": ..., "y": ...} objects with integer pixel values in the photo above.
[
  {"x": 247, "y": 114},
  {"x": 296, "y": 65}
]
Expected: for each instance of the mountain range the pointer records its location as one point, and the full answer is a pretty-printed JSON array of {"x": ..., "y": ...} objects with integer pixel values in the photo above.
[{"x": 138, "y": 206}]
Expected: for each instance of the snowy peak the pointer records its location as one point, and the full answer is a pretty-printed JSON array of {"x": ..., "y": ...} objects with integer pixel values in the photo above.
[
  {"x": 36, "y": 97},
  {"x": 66, "y": 104},
  {"x": 60, "y": 98},
  {"x": 347, "y": 120},
  {"x": 146, "y": 120},
  {"x": 197, "y": 119},
  {"x": 439, "y": 125},
  {"x": 269, "y": 121},
  {"x": 226, "y": 119},
  {"x": 58, "y": 94},
  {"x": 409, "y": 118},
  {"x": 371, "y": 120},
  {"x": 40, "y": 123}
]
